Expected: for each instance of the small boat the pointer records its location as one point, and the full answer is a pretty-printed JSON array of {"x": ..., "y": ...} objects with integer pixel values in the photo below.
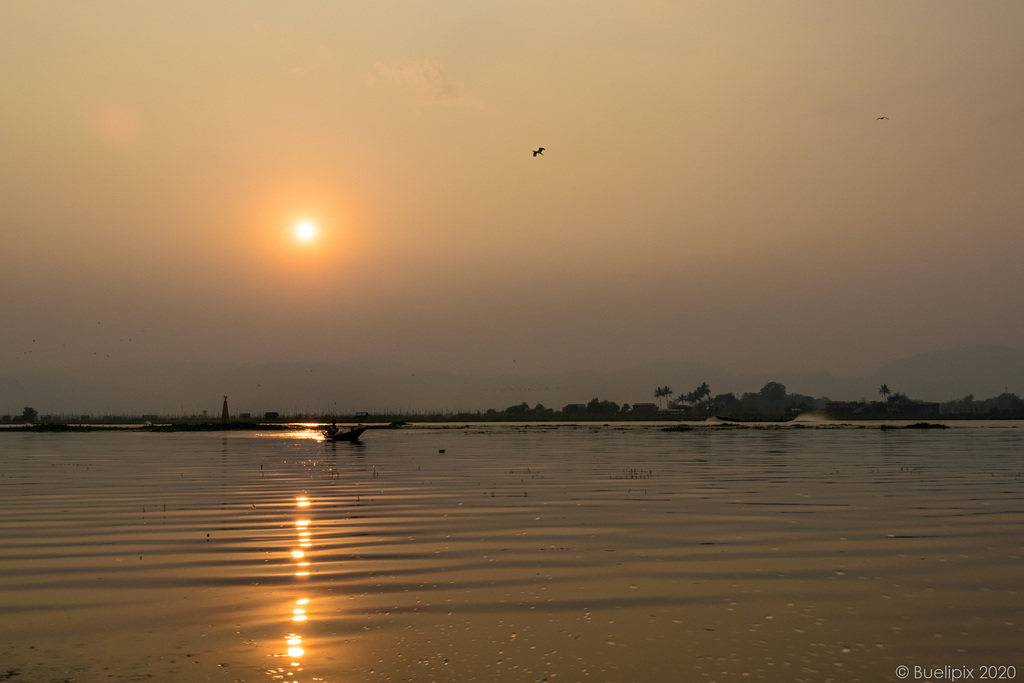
[{"x": 334, "y": 434}]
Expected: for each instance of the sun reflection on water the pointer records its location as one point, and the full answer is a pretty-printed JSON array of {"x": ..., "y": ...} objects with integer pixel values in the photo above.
[
  {"x": 300, "y": 430},
  {"x": 296, "y": 651}
]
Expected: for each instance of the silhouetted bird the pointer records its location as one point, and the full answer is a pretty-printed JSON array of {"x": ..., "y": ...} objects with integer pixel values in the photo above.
[
  {"x": 880, "y": 118},
  {"x": 539, "y": 150}
]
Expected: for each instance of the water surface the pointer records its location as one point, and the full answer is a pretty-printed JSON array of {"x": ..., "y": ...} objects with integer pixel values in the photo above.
[{"x": 558, "y": 553}]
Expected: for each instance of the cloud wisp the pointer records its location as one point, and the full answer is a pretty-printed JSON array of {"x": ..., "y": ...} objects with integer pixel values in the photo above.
[{"x": 428, "y": 81}]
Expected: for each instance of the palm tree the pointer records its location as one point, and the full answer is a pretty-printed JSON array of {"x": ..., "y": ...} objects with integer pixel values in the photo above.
[
  {"x": 700, "y": 396},
  {"x": 884, "y": 390},
  {"x": 704, "y": 391},
  {"x": 662, "y": 392}
]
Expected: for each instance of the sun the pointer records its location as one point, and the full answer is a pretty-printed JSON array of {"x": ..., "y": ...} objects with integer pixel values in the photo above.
[{"x": 305, "y": 231}]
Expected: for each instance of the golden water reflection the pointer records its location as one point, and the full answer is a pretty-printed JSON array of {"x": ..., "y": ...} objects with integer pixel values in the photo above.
[{"x": 295, "y": 651}]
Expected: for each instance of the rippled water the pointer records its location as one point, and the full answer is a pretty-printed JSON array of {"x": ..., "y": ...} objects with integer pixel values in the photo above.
[{"x": 534, "y": 553}]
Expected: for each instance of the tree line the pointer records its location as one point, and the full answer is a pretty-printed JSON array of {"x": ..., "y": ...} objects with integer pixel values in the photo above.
[{"x": 771, "y": 402}]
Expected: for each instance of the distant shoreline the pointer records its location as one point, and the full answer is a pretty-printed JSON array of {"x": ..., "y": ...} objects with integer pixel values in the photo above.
[{"x": 663, "y": 425}]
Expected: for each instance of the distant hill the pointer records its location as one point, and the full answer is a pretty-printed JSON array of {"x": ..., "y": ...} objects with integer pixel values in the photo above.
[
  {"x": 380, "y": 387},
  {"x": 984, "y": 371}
]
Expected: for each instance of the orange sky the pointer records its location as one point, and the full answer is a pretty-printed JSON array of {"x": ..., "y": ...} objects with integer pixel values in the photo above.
[{"x": 716, "y": 185}]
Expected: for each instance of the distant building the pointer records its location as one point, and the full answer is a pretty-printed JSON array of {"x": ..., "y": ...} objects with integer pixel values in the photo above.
[
  {"x": 643, "y": 411},
  {"x": 270, "y": 416}
]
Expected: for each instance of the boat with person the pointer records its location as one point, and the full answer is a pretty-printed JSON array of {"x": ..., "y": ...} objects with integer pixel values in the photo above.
[{"x": 335, "y": 433}]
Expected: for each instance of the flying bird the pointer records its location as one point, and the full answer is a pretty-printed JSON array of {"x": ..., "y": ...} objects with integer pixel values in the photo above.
[
  {"x": 880, "y": 118},
  {"x": 539, "y": 150}
]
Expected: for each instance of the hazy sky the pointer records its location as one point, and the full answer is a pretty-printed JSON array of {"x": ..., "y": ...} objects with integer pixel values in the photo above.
[{"x": 716, "y": 185}]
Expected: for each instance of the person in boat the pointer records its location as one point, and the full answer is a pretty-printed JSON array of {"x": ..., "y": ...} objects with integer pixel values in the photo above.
[{"x": 333, "y": 429}]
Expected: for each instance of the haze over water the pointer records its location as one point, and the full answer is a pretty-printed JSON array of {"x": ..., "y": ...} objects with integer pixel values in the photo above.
[
  {"x": 331, "y": 182},
  {"x": 518, "y": 553},
  {"x": 793, "y": 186}
]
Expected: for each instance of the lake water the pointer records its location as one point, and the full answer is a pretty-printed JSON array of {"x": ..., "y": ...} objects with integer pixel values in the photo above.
[{"x": 519, "y": 553}]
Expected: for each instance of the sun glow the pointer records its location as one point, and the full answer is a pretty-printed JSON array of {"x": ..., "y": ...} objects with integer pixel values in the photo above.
[
  {"x": 301, "y": 230},
  {"x": 305, "y": 231}
]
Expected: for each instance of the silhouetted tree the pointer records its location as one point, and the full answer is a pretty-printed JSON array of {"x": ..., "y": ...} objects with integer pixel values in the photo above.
[
  {"x": 518, "y": 412},
  {"x": 701, "y": 396},
  {"x": 727, "y": 403},
  {"x": 964, "y": 405},
  {"x": 663, "y": 392},
  {"x": 599, "y": 408},
  {"x": 573, "y": 410},
  {"x": 29, "y": 414},
  {"x": 704, "y": 393},
  {"x": 800, "y": 403},
  {"x": 1006, "y": 404},
  {"x": 750, "y": 403},
  {"x": 772, "y": 397},
  {"x": 884, "y": 390}
]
